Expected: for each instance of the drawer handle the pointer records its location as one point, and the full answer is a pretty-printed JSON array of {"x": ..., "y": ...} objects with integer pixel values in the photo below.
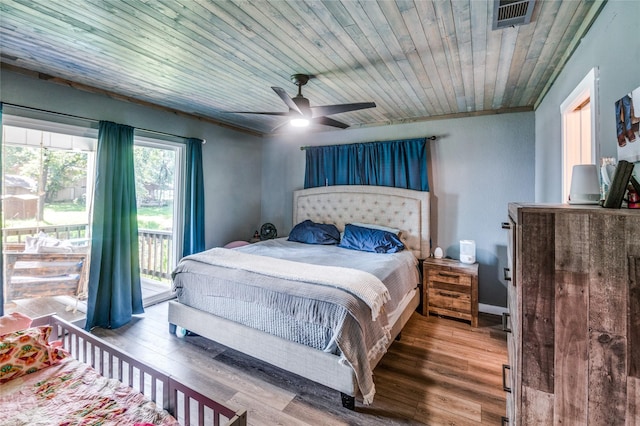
[
  {"x": 449, "y": 295},
  {"x": 505, "y": 367},
  {"x": 506, "y": 225},
  {"x": 444, "y": 274},
  {"x": 504, "y": 420},
  {"x": 505, "y": 319},
  {"x": 507, "y": 274}
]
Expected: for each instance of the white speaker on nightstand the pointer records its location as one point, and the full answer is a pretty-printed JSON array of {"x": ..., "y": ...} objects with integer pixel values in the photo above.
[{"x": 467, "y": 251}]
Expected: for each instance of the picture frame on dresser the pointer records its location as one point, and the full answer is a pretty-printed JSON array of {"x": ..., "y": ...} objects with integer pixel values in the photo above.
[{"x": 621, "y": 178}]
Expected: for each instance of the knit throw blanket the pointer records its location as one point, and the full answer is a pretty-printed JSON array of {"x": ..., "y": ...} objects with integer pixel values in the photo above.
[
  {"x": 358, "y": 337},
  {"x": 361, "y": 284}
]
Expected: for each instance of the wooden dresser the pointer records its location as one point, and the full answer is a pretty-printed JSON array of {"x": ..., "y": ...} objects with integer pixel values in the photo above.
[
  {"x": 574, "y": 316},
  {"x": 450, "y": 288}
]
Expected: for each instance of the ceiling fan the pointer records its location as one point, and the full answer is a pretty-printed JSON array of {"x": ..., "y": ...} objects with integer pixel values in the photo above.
[{"x": 301, "y": 113}]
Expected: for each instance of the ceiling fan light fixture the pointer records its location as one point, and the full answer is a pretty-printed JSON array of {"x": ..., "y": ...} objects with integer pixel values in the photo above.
[{"x": 299, "y": 122}]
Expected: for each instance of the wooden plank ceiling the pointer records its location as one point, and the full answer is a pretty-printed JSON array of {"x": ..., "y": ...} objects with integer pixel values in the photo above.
[{"x": 416, "y": 59}]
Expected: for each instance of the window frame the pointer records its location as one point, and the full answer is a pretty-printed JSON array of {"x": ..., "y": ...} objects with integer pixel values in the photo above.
[{"x": 586, "y": 89}]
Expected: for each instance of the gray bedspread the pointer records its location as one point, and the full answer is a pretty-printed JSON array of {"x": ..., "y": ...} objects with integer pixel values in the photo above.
[{"x": 320, "y": 316}]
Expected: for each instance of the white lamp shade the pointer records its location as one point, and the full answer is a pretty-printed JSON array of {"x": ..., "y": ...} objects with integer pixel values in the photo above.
[{"x": 585, "y": 185}]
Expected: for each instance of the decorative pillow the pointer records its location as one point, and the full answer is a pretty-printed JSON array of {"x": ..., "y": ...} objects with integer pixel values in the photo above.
[
  {"x": 234, "y": 244},
  {"x": 315, "y": 233},
  {"x": 14, "y": 322},
  {"x": 372, "y": 240},
  {"x": 380, "y": 227},
  {"x": 27, "y": 351}
]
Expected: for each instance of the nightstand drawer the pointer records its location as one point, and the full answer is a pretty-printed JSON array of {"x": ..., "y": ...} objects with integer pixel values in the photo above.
[
  {"x": 449, "y": 277},
  {"x": 453, "y": 300}
]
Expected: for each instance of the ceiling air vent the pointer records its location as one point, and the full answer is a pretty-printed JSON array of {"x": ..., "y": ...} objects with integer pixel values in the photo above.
[{"x": 509, "y": 13}]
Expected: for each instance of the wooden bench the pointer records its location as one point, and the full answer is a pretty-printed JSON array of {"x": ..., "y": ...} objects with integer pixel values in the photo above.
[{"x": 30, "y": 275}]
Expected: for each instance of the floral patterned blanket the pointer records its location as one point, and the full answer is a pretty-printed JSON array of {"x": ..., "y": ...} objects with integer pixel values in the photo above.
[{"x": 72, "y": 393}]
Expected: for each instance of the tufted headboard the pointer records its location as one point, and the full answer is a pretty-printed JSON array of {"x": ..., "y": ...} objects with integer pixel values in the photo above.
[{"x": 404, "y": 209}]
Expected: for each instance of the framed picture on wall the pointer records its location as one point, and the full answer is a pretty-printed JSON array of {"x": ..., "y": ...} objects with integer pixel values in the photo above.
[{"x": 627, "y": 116}]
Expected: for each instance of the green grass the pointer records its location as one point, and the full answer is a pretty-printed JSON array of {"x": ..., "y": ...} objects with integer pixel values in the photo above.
[{"x": 156, "y": 218}]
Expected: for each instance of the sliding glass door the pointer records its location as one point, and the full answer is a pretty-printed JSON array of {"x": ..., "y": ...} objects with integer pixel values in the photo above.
[
  {"x": 47, "y": 178},
  {"x": 48, "y": 174},
  {"x": 158, "y": 183}
]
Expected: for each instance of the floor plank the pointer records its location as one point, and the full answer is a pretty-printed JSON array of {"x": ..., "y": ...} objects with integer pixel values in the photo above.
[{"x": 441, "y": 372}]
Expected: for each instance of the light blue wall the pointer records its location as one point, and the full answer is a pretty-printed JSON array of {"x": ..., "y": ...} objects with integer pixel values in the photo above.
[
  {"x": 613, "y": 45},
  {"x": 232, "y": 160},
  {"x": 477, "y": 166}
]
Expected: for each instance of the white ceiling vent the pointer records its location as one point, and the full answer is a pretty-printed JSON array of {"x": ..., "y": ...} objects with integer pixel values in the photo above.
[{"x": 509, "y": 13}]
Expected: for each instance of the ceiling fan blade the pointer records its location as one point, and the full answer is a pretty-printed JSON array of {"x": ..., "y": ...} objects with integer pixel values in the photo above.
[
  {"x": 255, "y": 112},
  {"x": 330, "y": 122},
  {"x": 319, "y": 111},
  {"x": 286, "y": 99},
  {"x": 284, "y": 123}
]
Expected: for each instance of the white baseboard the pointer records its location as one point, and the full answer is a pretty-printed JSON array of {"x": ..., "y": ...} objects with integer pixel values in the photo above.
[{"x": 491, "y": 309}]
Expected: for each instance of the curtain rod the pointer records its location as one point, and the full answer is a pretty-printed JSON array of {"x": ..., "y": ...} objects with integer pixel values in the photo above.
[
  {"x": 92, "y": 120},
  {"x": 429, "y": 138}
]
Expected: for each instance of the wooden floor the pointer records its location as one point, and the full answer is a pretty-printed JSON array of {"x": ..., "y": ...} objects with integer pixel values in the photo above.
[
  {"x": 64, "y": 307},
  {"x": 441, "y": 372},
  {"x": 74, "y": 310}
]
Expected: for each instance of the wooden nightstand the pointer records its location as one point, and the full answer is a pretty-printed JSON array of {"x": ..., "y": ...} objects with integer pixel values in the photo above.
[{"x": 450, "y": 288}]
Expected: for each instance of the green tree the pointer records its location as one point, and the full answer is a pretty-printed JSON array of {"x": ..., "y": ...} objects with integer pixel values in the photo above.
[
  {"x": 52, "y": 169},
  {"x": 63, "y": 169},
  {"x": 154, "y": 168},
  {"x": 20, "y": 160}
]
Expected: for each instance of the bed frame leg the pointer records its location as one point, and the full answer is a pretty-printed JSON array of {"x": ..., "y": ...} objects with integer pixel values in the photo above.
[
  {"x": 348, "y": 402},
  {"x": 399, "y": 336},
  {"x": 172, "y": 329}
]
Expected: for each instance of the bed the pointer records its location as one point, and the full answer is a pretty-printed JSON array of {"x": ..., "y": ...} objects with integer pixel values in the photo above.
[
  {"x": 94, "y": 384},
  {"x": 323, "y": 358}
]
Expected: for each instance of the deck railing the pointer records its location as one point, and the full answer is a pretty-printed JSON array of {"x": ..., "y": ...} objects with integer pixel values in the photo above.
[
  {"x": 61, "y": 232},
  {"x": 155, "y": 253},
  {"x": 155, "y": 246}
]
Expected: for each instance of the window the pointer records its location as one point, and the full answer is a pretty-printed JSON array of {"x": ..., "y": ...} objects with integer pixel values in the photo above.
[
  {"x": 48, "y": 174},
  {"x": 578, "y": 129}
]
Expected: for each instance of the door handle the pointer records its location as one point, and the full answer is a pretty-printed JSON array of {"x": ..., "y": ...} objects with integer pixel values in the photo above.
[
  {"x": 505, "y": 319},
  {"x": 507, "y": 274},
  {"x": 505, "y": 367}
]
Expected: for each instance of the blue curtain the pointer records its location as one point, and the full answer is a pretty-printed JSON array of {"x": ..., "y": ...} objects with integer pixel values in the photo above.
[
  {"x": 194, "y": 200},
  {"x": 401, "y": 164},
  {"x": 114, "y": 275}
]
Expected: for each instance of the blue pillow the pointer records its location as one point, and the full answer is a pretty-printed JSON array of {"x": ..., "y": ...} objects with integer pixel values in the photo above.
[
  {"x": 368, "y": 239},
  {"x": 314, "y": 233}
]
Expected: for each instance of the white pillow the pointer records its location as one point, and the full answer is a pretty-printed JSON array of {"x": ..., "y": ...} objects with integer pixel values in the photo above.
[
  {"x": 44, "y": 244},
  {"x": 55, "y": 249},
  {"x": 31, "y": 244}
]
